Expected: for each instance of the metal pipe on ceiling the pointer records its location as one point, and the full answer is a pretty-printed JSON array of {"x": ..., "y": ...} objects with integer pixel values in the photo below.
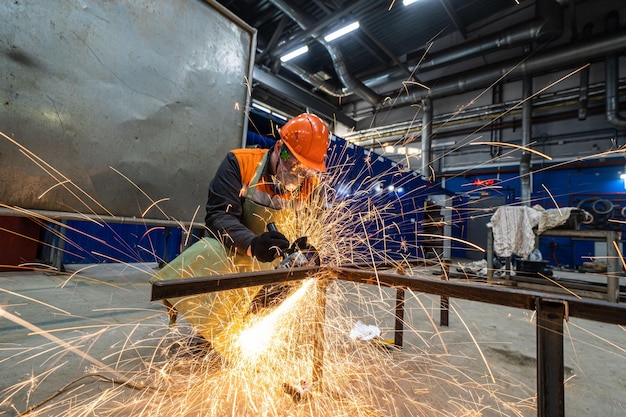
[
  {"x": 527, "y": 121},
  {"x": 427, "y": 123},
  {"x": 543, "y": 28},
  {"x": 299, "y": 95},
  {"x": 313, "y": 31},
  {"x": 316, "y": 81},
  {"x": 351, "y": 83},
  {"x": 540, "y": 28},
  {"x": 482, "y": 115},
  {"x": 611, "y": 71},
  {"x": 550, "y": 60},
  {"x": 547, "y": 26}
]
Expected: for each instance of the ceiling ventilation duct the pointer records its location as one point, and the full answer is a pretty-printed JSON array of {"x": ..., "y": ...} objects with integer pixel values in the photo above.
[
  {"x": 545, "y": 27},
  {"x": 551, "y": 60}
]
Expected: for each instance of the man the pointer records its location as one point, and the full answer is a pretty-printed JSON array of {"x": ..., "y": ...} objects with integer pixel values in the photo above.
[
  {"x": 251, "y": 188},
  {"x": 251, "y": 184}
]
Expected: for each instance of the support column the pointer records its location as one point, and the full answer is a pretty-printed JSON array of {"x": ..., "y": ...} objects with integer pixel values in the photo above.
[
  {"x": 613, "y": 267},
  {"x": 489, "y": 254},
  {"x": 444, "y": 301},
  {"x": 550, "y": 367},
  {"x": 318, "y": 341},
  {"x": 399, "y": 326}
]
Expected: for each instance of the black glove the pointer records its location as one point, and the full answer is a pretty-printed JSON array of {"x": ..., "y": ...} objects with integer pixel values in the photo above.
[{"x": 268, "y": 246}]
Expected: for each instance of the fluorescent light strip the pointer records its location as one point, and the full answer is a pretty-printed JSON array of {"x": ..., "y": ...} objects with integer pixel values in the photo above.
[
  {"x": 263, "y": 109},
  {"x": 340, "y": 32},
  {"x": 407, "y": 2},
  {"x": 293, "y": 54}
]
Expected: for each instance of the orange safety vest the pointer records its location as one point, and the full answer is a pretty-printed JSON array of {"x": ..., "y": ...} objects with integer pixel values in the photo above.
[{"x": 265, "y": 192}]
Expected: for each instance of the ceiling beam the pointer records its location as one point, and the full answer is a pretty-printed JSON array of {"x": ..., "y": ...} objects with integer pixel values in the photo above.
[
  {"x": 386, "y": 50},
  {"x": 284, "y": 88},
  {"x": 452, "y": 14},
  {"x": 284, "y": 20}
]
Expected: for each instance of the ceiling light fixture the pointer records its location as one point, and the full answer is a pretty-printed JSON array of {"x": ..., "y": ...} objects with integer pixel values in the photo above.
[
  {"x": 262, "y": 108},
  {"x": 407, "y": 2},
  {"x": 295, "y": 53},
  {"x": 342, "y": 31}
]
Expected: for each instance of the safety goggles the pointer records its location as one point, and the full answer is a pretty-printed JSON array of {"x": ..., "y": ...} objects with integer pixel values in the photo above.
[{"x": 293, "y": 166}]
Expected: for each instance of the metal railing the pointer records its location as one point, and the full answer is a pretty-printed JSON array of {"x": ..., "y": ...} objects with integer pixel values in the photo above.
[{"x": 552, "y": 310}]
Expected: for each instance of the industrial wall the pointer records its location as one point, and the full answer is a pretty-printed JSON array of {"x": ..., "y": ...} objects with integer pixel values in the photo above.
[{"x": 595, "y": 185}]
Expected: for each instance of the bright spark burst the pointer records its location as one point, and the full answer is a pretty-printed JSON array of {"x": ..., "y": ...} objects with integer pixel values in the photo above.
[
  {"x": 257, "y": 338},
  {"x": 152, "y": 369},
  {"x": 269, "y": 366}
]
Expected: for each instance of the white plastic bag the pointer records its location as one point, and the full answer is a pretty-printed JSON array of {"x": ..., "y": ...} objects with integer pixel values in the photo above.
[{"x": 364, "y": 331}]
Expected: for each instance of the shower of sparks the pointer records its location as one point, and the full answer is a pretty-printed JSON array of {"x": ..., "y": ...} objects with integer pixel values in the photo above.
[
  {"x": 268, "y": 368},
  {"x": 257, "y": 338},
  {"x": 17, "y": 320}
]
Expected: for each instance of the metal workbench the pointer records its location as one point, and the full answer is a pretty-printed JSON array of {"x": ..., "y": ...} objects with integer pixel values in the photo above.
[{"x": 611, "y": 237}]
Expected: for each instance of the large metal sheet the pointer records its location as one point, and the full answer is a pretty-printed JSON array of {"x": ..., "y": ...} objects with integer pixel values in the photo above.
[{"x": 116, "y": 96}]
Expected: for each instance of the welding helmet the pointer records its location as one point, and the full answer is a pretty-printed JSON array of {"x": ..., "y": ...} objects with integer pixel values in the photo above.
[{"x": 307, "y": 137}]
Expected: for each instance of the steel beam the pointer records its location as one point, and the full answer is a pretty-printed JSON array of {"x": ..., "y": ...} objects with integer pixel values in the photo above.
[
  {"x": 597, "y": 310},
  {"x": 191, "y": 286},
  {"x": 550, "y": 368},
  {"x": 398, "y": 337},
  {"x": 552, "y": 310}
]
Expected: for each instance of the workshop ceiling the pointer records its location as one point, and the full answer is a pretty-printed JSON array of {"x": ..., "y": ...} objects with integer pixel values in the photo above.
[{"x": 393, "y": 49}]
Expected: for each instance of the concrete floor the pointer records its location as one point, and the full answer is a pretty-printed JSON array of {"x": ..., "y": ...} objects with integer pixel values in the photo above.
[{"x": 48, "y": 322}]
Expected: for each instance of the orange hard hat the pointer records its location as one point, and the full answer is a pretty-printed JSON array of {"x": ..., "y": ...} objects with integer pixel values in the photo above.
[{"x": 307, "y": 136}]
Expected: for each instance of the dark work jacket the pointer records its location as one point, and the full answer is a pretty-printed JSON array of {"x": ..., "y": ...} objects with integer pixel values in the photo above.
[{"x": 227, "y": 193}]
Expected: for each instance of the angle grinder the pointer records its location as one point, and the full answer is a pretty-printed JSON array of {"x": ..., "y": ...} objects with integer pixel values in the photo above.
[{"x": 299, "y": 254}]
